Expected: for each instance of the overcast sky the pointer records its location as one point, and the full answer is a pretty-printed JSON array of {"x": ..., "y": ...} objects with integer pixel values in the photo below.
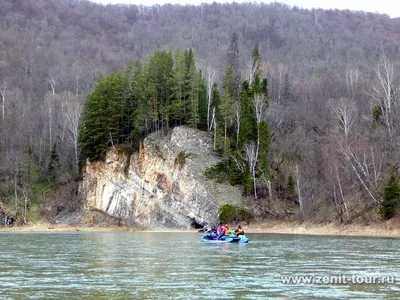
[{"x": 390, "y": 7}]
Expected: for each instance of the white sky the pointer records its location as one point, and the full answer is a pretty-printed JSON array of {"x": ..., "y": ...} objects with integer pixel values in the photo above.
[{"x": 389, "y": 7}]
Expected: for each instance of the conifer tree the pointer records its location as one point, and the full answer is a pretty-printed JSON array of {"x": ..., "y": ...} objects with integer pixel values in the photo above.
[
  {"x": 93, "y": 129},
  {"x": 247, "y": 180},
  {"x": 391, "y": 197},
  {"x": 178, "y": 89},
  {"x": 202, "y": 102},
  {"x": 53, "y": 167},
  {"x": 160, "y": 69},
  {"x": 193, "y": 96},
  {"x": 226, "y": 106},
  {"x": 129, "y": 105},
  {"x": 248, "y": 125},
  {"x": 233, "y": 63},
  {"x": 143, "y": 110},
  {"x": 114, "y": 97}
]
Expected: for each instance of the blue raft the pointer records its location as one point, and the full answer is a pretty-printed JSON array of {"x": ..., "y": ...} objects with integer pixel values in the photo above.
[{"x": 212, "y": 238}]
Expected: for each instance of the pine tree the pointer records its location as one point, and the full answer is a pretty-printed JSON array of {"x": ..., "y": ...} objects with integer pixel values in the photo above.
[
  {"x": 193, "y": 96},
  {"x": 93, "y": 129},
  {"x": 141, "y": 93},
  {"x": 233, "y": 63},
  {"x": 202, "y": 102},
  {"x": 391, "y": 197},
  {"x": 160, "y": 71},
  {"x": 248, "y": 125},
  {"x": 247, "y": 180},
  {"x": 53, "y": 168},
  {"x": 226, "y": 106},
  {"x": 129, "y": 105},
  {"x": 235, "y": 175},
  {"x": 178, "y": 89},
  {"x": 256, "y": 58},
  {"x": 114, "y": 97}
]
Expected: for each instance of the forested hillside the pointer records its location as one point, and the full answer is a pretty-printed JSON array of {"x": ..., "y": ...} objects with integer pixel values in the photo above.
[{"x": 330, "y": 94}]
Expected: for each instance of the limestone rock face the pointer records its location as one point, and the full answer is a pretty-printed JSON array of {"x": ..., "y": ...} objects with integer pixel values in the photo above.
[{"x": 162, "y": 185}]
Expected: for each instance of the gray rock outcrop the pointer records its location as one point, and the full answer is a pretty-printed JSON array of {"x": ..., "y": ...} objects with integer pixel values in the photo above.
[{"x": 162, "y": 185}]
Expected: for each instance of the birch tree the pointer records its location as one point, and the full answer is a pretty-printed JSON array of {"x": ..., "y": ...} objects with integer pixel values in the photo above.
[
  {"x": 72, "y": 115},
  {"x": 346, "y": 112},
  {"x": 210, "y": 76},
  {"x": 237, "y": 114},
  {"x": 352, "y": 80},
  {"x": 385, "y": 94},
  {"x": 252, "y": 67},
  {"x": 260, "y": 106},
  {"x": 365, "y": 165},
  {"x": 49, "y": 104},
  {"x": 299, "y": 190},
  {"x": 251, "y": 156},
  {"x": 3, "y": 89},
  {"x": 52, "y": 80}
]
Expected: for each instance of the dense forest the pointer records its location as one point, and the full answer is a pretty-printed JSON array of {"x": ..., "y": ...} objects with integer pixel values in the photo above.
[{"x": 314, "y": 93}]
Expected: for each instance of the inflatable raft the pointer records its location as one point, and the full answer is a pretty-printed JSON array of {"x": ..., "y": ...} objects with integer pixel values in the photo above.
[{"x": 212, "y": 238}]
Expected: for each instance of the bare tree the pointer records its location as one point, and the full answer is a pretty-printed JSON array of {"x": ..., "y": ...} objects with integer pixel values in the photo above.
[
  {"x": 342, "y": 199},
  {"x": 251, "y": 156},
  {"x": 299, "y": 190},
  {"x": 3, "y": 89},
  {"x": 72, "y": 114},
  {"x": 250, "y": 70},
  {"x": 49, "y": 105},
  {"x": 237, "y": 119},
  {"x": 214, "y": 126},
  {"x": 352, "y": 81},
  {"x": 364, "y": 165},
  {"x": 279, "y": 73},
  {"x": 385, "y": 93},
  {"x": 52, "y": 79},
  {"x": 210, "y": 81},
  {"x": 346, "y": 112},
  {"x": 260, "y": 109}
]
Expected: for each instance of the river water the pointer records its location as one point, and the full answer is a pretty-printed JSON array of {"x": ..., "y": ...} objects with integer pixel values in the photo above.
[{"x": 141, "y": 265}]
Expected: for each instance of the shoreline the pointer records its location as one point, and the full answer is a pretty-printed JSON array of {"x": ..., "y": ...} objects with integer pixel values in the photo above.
[{"x": 381, "y": 230}]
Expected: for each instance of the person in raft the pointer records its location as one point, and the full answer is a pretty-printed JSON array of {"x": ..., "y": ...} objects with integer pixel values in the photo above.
[
  {"x": 239, "y": 231},
  {"x": 224, "y": 230}
]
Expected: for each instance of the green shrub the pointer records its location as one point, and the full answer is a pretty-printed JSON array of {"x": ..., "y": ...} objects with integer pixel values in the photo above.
[
  {"x": 180, "y": 160},
  {"x": 377, "y": 113},
  {"x": 233, "y": 214},
  {"x": 33, "y": 214},
  {"x": 217, "y": 172}
]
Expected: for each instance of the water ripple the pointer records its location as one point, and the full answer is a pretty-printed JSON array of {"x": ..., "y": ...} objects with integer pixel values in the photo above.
[{"x": 132, "y": 265}]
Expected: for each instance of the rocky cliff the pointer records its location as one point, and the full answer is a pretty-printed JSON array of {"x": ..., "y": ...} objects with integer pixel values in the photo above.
[{"x": 162, "y": 185}]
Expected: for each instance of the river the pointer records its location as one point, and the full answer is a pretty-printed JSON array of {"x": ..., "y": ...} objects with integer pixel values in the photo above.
[{"x": 150, "y": 265}]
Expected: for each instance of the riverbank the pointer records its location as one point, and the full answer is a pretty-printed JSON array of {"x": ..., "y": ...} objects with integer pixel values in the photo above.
[
  {"x": 389, "y": 228},
  {"x": 47, "y": 227}
]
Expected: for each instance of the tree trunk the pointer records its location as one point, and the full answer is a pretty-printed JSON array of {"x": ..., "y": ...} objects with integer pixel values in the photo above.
[
  {"x": 298, "y": 190},
  {"x": 254, "y": 181}
]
